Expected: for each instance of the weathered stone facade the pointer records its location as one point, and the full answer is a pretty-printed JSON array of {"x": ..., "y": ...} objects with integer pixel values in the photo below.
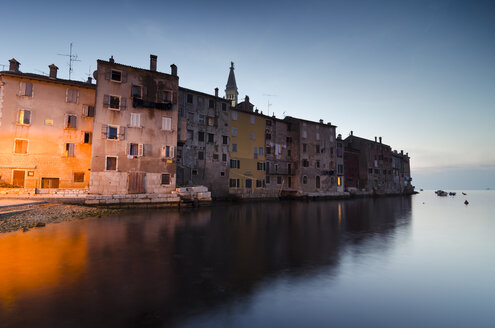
[
  {"x": 135, "y": 130},
  {"x": 46, "y": 126},
  {"x": 203, "y": 154},
  {"x": 315, "y": 143}
]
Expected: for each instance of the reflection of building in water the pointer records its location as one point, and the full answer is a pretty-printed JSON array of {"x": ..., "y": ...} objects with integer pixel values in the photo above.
[{"x": 38, "y": 260}]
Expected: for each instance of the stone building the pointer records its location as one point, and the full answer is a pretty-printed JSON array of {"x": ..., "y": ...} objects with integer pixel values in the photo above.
[
  {"x": 314, "y": 149},
  {"x": 135, "y": 129},
  {"x": 281, "y": 153},
  {"x": 203, "y": 143},
  {"x": 46, "y": 129},
  {"x": 375, "y": 164},
  {"x": 247, "y": 152},
  {"x": 401, "y": 172},
  {"x": 339, "y": 161}
]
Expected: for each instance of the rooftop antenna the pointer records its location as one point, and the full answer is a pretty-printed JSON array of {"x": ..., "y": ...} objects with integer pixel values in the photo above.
[
  {"x": 268, "y": 105},
  {"x": 39, "y": 71},
  {"x": 72, "y": 58},
  {"x": 88, "y": 75},
  {"x": 3, "y": 67}
]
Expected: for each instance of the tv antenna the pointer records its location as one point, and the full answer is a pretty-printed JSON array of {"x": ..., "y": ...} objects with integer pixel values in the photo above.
[
  {"x": 89, "y": 75},
  {"x": 3, "y": 67},
  {"x": 72, "y": 58},
  {"x": 269, "y": 104},
  {"x": 40, "y": 71}
]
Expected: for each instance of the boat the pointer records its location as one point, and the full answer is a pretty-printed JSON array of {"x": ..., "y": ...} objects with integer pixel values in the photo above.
[
  {"x": 441, "y": 193},
  {"x": 452, "y": 193}
]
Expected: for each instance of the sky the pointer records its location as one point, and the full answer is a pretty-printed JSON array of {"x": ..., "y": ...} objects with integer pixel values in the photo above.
[{"x": 420, "y": 74}]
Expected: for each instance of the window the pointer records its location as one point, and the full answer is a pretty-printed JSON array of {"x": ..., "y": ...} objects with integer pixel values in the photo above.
[
  {"x": 211, "y": 137},
  {"x": 255, "y": 152},
  {"x": 304, "y": 147},
  {"x": 317, "y": 182},
  {"x": 305, "y": 179},
  {"x": 268, "y": 123},
  {"x": 20, "y": 146},
  {"x": 289, "y": 140},
  {"x": 235, "y": 164},
  {"x": 339, "y": 150},
  {"x": 224, "y": 107},
  {"x": 26, "y": 89},
  {"x": 288, "y": 152},
  {"x": 112, "y": 132},
  {"x": 201, "y": 136},
  {"x": 268, "y": 150},
  {"x": 136, "y": 91},
  {"x": 234, "y": 132},
  {"x": 166, "y": 123},
  {"x": 215, "y": 157},
  {"x": 135, "y": 120},
  {"x": 211, "y": 121},
  {"x": 251, "y": 119},
  {"x": 249, "y": 183},
  {"x": 331, "y": 151},
  {"x": 317, "y": 149},
  {"x": 225, "y": 140},
  {"x": 87, "y": 138},
  {"x": 224, "y": 157},
  {"x": 258, "y": 183},
  {"x": 189, "y": 98},
  {"x": 202, "y": 119},
  {"x": 259, "y": 166},
  {"x": 167, "y": 96},
  {"x": 317, "y": 135},
  {"x": 24, "y": 117},
  {"x": 268, "y": 136},
  {"x": 251, "y": 136},
  {"x": 305, "y": 163},
  {"x": 114, "y": 102},
  {"x": 194, "y": 172},
  {"x": 211, "y": 103},
  {"x": 279, "y": 179},
  {"x": 89, "y": 111},
  {"x": 201, "y": 155},
  {"x": 339, "y": 181},
  {"x": 116, "y": 76},
  {"x": 165, "y": 179},
  {"x": 135, "y": 150},
  {"x": 317, "y": 164},
  {"x": 267, "y": 178},
  {"x": 234, "y": 148},
  {"x": 71, "y": 95},
  {"x": 69, "y": 149},
  {"x": 78, "y": 176},
  {"x": 340, "y": 169},
  {"x": 234, "y": 183},
  {"x": 261, "y": 151},
  {"x": 190, "y": 135},
  {"x": 234, "y": 116},
  {"x": 222, "y": 173},
  {"x": 167, "y": 151},
  {"x": 111, "y": 163},
  {"x": 304, "y": 134},
  {"x": 70, "y": 121}
]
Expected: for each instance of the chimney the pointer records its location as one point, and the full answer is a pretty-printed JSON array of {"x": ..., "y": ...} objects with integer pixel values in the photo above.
[
  {"x": 216, "y": 92},
  {"x": 321, "y": 121},
  {"x": 246, "y": 99},
  {"x": 352, "y": 133},
  {"x": 53, "y": 71},
  {"x": 90, "y": 80},
  {"x": 402, "y": 152},
  {"x": 339, "y": 136},
  {"x": 14, "y": 65},
  {"x": 380, "y": 139},
  {"x": 111, "y": 60},
  {"x": 256, "y": 110},
  {"x": 153, "y": 59},
  {"x": 375, "y": 139},
  {"x": 173, "y": 70}
]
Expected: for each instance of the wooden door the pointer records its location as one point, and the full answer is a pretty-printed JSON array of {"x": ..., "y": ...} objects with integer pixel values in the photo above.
[
  {"x": 18, "y": 178},
  {"x": 135, "y": 183}
]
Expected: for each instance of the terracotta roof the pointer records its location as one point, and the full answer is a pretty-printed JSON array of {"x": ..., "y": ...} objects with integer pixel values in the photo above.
[{"x": 39, "y": 77}]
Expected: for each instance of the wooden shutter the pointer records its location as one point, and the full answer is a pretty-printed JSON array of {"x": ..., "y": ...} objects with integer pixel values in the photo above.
[
  {"x": 77, "y": 96},
  {"x": 71, "y": 149},
  {"x": 108, "y": 74},
  {"x": 22, "y": 89},
  {"x": 140, "y": 150},
  {"x": 73, "y": 123},
  {"x": 106, "y": 101},
  {"x": 29, "y": 89},
  {"x": 104, "y": 131},
  {"x": 85, "y": 110},
  {"x": 91, "y": 111},
  {"x": 123, "y": 103},
  {"x": 172, "y": 151},
  {"x": 27, "y": 117},
  {"x": 122, "y": 133},
  {"x": 128, "y": 148}
]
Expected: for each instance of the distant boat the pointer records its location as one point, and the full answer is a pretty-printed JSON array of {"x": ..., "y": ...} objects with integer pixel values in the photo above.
[
  {"x": 441, "y": 193},
  {"x": 420, "y": 189},
  {"x": 452, "y": 193},
  {"x": 464, "y": 193}
]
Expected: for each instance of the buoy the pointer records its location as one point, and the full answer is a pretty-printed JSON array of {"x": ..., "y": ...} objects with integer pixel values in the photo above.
[{"x": 466, "y": 202}]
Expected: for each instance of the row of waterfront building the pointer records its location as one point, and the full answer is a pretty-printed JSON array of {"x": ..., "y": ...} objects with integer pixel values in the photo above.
[{"x": 138, "y": 131}]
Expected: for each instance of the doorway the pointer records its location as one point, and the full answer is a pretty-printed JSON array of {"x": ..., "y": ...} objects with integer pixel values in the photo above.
[{"x": 18, "y": 178}]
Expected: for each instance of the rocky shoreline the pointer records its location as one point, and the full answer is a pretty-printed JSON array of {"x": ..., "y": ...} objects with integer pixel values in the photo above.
[{"x": 38, "y": 215}]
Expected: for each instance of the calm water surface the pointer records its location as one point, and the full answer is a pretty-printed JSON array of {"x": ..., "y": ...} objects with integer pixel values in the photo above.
[{"x": 422, "y": 261}]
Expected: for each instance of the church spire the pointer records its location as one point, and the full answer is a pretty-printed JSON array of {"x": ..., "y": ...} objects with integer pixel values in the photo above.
[{"x": 231, "y": 87}]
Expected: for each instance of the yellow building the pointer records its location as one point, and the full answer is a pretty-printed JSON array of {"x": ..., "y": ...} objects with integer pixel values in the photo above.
[
  {"x": 247, "y": 153},
  {"x": 46, "y": 126}
]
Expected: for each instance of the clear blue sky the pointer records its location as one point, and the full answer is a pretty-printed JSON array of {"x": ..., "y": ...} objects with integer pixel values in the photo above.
[{"x": 421, "y": 74}]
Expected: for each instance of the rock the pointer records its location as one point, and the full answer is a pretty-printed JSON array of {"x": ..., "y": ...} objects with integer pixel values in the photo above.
[{"x": 40, "y": 224}]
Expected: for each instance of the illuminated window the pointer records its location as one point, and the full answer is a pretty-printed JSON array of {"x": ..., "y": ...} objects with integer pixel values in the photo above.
[
  {"x": 24, "y": 117},
  {"x": 339, "y": 181}
]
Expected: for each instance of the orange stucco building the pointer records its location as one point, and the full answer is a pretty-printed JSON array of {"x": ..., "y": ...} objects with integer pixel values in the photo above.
[{"x": 46, "y": 126}]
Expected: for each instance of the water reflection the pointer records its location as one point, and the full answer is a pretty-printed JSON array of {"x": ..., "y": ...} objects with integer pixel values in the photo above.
[{"x": 154, "y": 268}]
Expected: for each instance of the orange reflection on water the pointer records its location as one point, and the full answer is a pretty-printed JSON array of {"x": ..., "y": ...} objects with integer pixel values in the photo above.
[{"x": 38, "y": 260}]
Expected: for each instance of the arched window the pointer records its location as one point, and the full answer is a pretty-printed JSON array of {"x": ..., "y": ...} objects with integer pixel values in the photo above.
[{"x": 317, "y": 182}]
